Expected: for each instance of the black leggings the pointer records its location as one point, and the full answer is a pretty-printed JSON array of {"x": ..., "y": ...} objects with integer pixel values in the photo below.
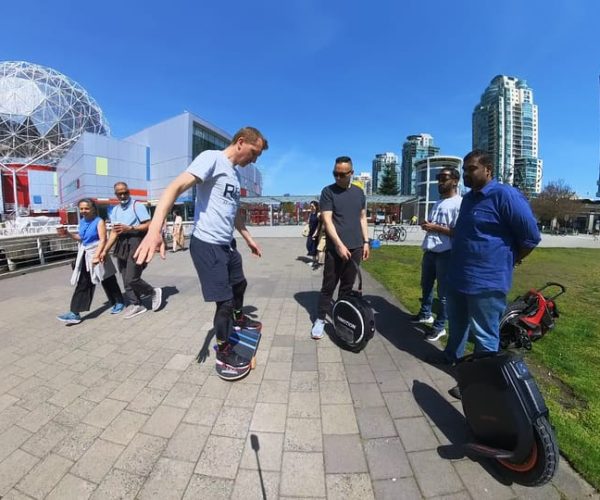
[{"x": 223, "y": 320}]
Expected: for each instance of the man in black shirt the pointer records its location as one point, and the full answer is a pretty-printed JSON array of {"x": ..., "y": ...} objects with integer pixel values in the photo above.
[{"x": 343, "y": 212}]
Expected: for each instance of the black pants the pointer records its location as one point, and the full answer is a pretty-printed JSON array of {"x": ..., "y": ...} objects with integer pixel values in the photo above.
[
  {"x": 336, "y": 269},
  {"x": 84, "y": 291},
  {"x": 133, "y": 283}
]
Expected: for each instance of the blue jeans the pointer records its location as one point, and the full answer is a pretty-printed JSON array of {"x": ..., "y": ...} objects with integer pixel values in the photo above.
[
  {"x": 478, "y": 315},
  {"x": 434, "y": 266}
]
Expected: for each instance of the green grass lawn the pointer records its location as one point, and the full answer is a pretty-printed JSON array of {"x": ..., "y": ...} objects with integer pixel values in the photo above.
[{"x": 566, "y": 361}]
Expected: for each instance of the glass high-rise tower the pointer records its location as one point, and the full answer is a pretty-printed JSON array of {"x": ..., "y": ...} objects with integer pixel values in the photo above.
[
  {"x": 505, "y": 124},
  {"x": 414, "y": 149}
]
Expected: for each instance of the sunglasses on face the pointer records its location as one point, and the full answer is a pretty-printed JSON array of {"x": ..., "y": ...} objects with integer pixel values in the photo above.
[
  {"x": 443, "y": 177},
  {"x": 122, "y": 193},
  {"x": 342, "y": 174}
]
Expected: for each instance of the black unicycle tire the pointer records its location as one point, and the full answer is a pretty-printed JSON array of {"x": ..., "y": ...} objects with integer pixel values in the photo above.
[
  {"x": 542, "y": 463},
  {"x": 402, "y": 234}
]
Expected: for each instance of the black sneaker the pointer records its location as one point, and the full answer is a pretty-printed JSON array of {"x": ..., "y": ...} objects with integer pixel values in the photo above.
[
  {"x": 227, "y": 356},
  {"x": 246, "y": 323}
]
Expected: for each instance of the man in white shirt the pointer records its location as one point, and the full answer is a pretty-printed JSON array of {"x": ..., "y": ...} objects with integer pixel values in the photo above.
[{"x": 436, "y": 251}]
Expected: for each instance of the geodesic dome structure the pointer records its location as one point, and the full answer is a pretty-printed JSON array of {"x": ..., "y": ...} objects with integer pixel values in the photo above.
[{"x": 42, "y": 113}]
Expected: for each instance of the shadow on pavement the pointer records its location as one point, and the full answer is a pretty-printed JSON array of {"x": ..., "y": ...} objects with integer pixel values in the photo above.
[
  {"x": 453, "y": 426},
  {"x": 309, "y": 301},
  {"x": 96, "y": 312},
  {"x": 396, "y": 326},
  {"x": 204, "y": 352},
  {"x": 444, "y": 416}
]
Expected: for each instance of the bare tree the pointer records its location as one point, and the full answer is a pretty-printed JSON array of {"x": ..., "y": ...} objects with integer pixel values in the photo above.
[{"x": 556, "y": 201}]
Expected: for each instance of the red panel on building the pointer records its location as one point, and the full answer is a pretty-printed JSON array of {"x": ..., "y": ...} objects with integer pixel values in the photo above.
[{"x": 22, "y": 188}]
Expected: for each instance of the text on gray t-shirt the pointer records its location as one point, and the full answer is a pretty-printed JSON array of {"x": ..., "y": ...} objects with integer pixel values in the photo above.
[{"x": 217, "y": 197}]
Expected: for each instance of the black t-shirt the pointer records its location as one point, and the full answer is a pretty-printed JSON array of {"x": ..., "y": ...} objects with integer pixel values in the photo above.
[{"x": 346, "y": 206}]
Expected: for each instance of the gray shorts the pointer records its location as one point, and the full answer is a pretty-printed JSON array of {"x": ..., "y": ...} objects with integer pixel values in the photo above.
[{"x": 219, "y": 267}]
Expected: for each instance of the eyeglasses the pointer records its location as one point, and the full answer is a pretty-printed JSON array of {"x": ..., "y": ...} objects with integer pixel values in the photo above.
[
  {"x": 122, "y": 193},
  {"x": 442, "y": 177},
  {"x": 342, "y": 174}
]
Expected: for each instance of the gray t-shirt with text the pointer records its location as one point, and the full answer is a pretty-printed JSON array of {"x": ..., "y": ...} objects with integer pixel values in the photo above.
[{"x": 217, "y": 197}]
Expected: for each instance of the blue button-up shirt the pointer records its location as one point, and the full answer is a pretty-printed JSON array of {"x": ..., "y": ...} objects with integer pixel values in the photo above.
[{"x": 493, "y": 225}]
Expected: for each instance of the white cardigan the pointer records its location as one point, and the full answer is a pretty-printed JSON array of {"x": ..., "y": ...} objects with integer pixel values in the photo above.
[{"x": 98, "y": 272}]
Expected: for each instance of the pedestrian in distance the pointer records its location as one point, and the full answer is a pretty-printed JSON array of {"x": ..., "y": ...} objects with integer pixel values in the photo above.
[
  {"x": 212, "y": 246},
  {"x": 311, "y": 238},
  {"x": 494, "y": 232},
  {"x": 178, "y": 235},
  {"x": 88, "y": 270},
  {"x": 130, "y": 221},
  {"x": 344, "y": 216},
  {"x": 436, "y": 251}
]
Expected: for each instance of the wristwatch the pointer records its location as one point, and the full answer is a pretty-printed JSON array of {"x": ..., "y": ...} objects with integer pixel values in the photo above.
[{"x": 365, "y": 242}]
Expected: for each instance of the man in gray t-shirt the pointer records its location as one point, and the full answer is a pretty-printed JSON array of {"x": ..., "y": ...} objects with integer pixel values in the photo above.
[
  {"x": 343, "y": 212},
  {"x": 212, "y": 247}
]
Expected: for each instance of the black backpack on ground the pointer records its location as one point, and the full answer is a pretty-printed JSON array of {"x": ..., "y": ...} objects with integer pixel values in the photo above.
[{"x": 353, "y": 318}]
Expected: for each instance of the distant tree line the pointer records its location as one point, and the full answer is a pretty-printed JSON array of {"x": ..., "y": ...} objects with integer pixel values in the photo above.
[{"x": 556, "y": 201}]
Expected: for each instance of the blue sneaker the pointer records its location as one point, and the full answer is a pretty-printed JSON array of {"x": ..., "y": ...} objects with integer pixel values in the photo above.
[
  {"x": 117, "y": 308},
  {"x": 70, "y": 318}
]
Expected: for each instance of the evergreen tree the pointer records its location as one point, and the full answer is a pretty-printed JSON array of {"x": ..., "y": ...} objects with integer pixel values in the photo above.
[{"x": 389, "y": 181}]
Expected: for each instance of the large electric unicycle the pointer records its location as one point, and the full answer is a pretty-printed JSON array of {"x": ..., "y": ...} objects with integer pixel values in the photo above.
[{"x": 508, "y": 418}]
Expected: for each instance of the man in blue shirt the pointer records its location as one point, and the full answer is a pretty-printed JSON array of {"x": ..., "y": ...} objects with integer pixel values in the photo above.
[
  {"x": 495, "y": 230},
  {"x": 130, "y": 221}
]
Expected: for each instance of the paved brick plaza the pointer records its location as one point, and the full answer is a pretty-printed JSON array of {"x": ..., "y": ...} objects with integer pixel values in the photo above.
[{"x": 121, "y": 409}]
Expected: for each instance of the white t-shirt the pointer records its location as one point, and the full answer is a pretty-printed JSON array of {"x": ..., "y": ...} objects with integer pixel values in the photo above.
[
  {"x": 217, "y": 197},
  {"x": 444, "y": 212}
]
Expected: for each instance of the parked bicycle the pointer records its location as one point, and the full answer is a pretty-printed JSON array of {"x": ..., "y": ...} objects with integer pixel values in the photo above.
[{"x": 392, "y": 233}]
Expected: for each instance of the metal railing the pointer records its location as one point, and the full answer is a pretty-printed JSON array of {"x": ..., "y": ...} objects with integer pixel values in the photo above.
[
  {"x": 31, "y": 250},
  {"x": 39, "y": 246}
]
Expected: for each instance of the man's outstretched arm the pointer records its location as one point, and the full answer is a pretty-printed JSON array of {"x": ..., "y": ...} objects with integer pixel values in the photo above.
[{"x": 153, "y": 241}]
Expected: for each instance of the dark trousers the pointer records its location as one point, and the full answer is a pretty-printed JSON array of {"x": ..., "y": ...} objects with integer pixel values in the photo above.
[
  {"x": 84, "y": 291},
  {"x": 131, "y": 273},
  {"x": 337, "y": 270}
]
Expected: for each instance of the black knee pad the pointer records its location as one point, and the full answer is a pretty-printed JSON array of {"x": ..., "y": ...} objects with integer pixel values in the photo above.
[
  {"x": 239, "y": 288},
  {"x": 223, "y": 321},
  {"x": 238, "y": 294}
]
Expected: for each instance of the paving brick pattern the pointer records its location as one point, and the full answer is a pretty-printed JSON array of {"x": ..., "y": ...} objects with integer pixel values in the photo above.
[{"x": 115, "y": 408}]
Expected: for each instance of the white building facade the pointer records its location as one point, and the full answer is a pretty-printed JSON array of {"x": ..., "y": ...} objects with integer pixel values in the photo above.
[{"x": 426, "y": 184}]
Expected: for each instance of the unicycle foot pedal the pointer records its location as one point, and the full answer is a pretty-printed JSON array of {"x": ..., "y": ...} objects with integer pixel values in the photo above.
[{"x": 489, "y": 452}]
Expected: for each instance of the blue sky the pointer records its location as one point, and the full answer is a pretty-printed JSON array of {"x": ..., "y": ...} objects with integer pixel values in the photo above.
[{"x": 323, "y": 78}]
